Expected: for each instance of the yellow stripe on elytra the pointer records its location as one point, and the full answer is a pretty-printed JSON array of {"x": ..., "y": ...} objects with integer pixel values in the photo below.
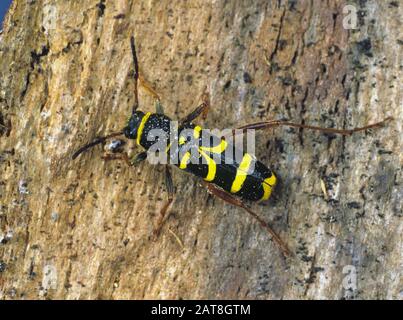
[
  {"x": 168, "y": 147},
  {"x": 141, "y": 126},
  {"x": 184, "y": 161},
  {"x": 196, "y": 135},
  {"x": 196, "y": 132},
  {"x": 268, "y": 185},
  {"x": 212, "y": 166},
  {"x": 241, "y": 173},
  {"x": 216, "y": 149}
]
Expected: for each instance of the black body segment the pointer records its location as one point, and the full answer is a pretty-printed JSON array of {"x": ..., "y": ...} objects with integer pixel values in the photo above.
[
  {"x": 156, "y": 127},
  {"x": 207, "y": 156}
]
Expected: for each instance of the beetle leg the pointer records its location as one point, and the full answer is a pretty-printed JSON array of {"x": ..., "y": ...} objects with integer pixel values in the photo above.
[
  {"x": 125, "y": 157},
  {"x": 117, "y": 156},
  {"x": 136, "y": 74},
  {"x": 202, "y": 109},
  {"x": 140, "y": 157},
  {"x": 170, "y": 191},
  {"x": 140, "y": 79},
  {"x": 148, "y": 88},
  {"x": 277, "y": 123},
  {"x": 236, "y": 202},
  {"x": 158, "y": 107}
]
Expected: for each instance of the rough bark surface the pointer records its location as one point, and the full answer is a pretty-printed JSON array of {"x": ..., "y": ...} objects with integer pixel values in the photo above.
[{"x": 82, "y": 229}]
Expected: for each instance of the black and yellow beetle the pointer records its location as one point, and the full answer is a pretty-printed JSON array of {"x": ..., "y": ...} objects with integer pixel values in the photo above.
[{"x": 232, "y": 182}]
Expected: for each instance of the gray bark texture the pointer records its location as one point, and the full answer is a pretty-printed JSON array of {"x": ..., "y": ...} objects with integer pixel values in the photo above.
[{"x": 82, "y": 229}]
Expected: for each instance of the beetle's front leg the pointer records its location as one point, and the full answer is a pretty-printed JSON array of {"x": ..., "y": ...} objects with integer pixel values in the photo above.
[
  {"x": 148, "y": 87},
  {"x": 150, "y": 90},
  {"x": 140, "y": 157},
  {"x": 125, "y": 157},
  {"x": 116, "y": 156}
]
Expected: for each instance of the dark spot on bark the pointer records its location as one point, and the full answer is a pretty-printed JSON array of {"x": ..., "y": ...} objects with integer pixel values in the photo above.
[
  {"x": 189, "y": 79},
  {"x": 294, "y": 58},
  {"x": 365, "y": 47},
  {"x": 227, "y": 85},
  {"x": 120, "y": 16},
  {"x": 333, "y": 49},
  {"x": 353, "y": 205},
  {"x": 287, "y": 81},
  {"x": 383, "y": 151},
  {"x": 336, "y": 106},
  {"x": 3, "y": 266},
  {"x": 5, "y": 126},
  {"x": 247, "y": 78},
  {"x": 279, "y": 145},
  {"x": 101, "y": 8},
  {"x": 274, "y": 67},
  {"x": 334, "y": 16},
  {"x": 383, "y": 180},
  {"x": 282, "y": 44},
  {"x": 394, "y": 4},
  {"x": 361, "y": 17},
  {"x": 306, "y": 258},
  {"x": 302, "y": 251},
  {"x": 31, "y": 272},
  {"x": 35, "y": 59},
  {"x": 323, "y": 68},
  {"x": 36, "y": 56},
  {"x": 312, "y": 276},
  {"x": 292, "y": 4}
]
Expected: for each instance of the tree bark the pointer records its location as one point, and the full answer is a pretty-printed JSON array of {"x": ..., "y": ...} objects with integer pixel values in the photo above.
[{"x": 82, "y": 229}]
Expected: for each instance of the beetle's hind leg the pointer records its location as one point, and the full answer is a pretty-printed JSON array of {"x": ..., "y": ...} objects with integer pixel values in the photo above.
[
  {"x": 170, "y": 190},
  {"x": 236, "y": 202},
  {"x": 136, "y": 74},
  {"x": 276, "y": 123}
]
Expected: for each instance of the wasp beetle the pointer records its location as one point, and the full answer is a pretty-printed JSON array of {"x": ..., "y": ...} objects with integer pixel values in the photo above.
[{"x": 232, "y": 182}]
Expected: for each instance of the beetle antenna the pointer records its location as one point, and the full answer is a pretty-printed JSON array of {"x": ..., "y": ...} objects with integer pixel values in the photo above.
[
  {"x": 136, "y": 74},
  {"x": 94, "y": 143}
]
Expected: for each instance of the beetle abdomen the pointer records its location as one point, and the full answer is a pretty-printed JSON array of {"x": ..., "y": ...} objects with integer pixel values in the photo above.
[{"x": 246, "y": 177}]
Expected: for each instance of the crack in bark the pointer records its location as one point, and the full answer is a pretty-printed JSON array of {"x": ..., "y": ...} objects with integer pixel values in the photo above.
[
  {"x": 277, "y": 44},
  {"x": 35, "y": 60}
]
